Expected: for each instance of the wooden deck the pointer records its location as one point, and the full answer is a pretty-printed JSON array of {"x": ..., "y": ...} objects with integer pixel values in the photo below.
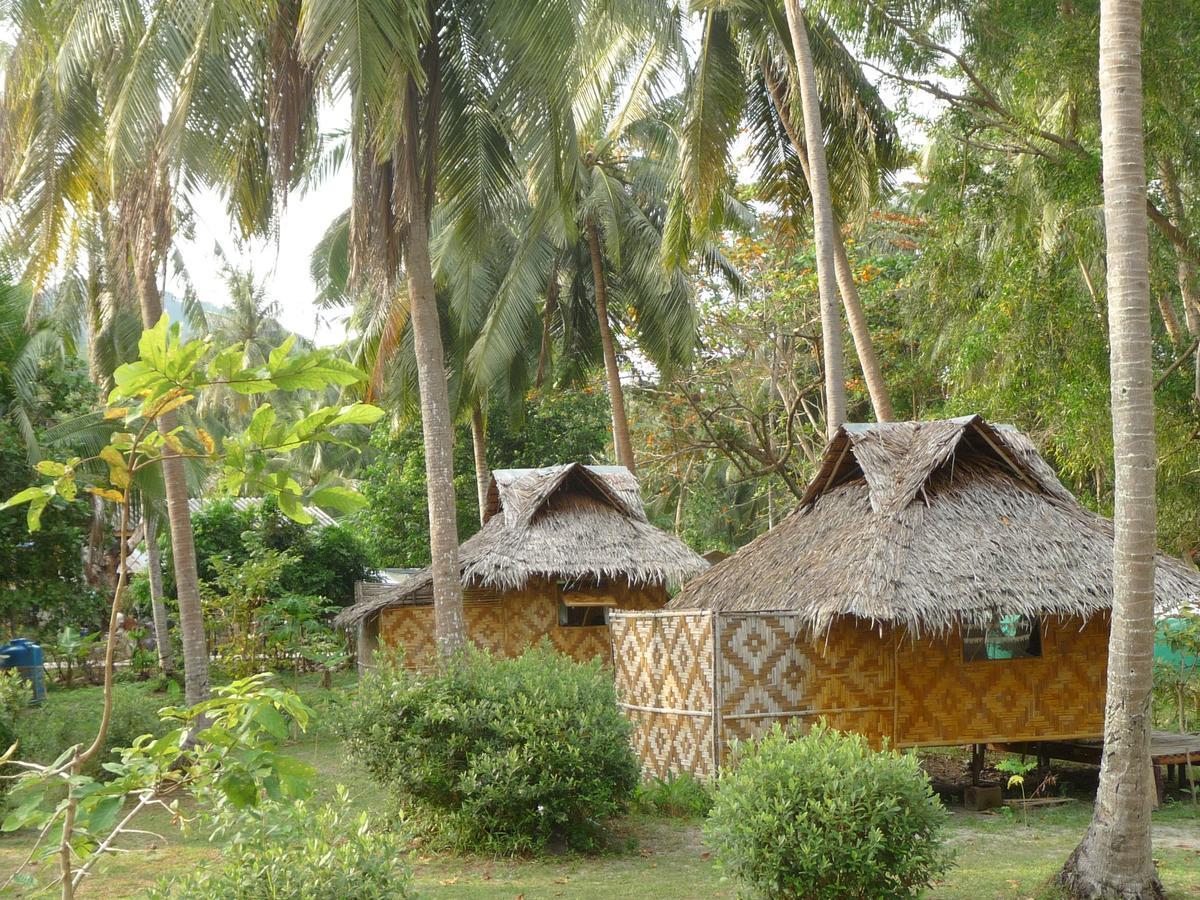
[{"x": 1166, "y": 749}]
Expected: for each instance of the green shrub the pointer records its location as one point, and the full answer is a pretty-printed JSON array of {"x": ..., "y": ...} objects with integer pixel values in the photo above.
[
  {"x": 502, "y": 755},
  {"x": 292, "y": 851},
  {"x": 72, "y": 717},
  {"x": 15, "y": 692},
  {"x": 677, "y": 797},
  {"x": 824, "y": 816}
]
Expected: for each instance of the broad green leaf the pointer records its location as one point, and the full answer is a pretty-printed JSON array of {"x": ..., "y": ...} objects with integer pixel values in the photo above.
[
  {"x": 357, "y": 414},
  {"x": 340, "y": 498},
  {"x": 25, "y": 496},
  {"x": 290, "y": 506},
  {"x": 51, "y": 468}
]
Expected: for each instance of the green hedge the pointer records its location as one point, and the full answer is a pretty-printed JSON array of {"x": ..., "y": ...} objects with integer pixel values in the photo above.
[
  {"x": 825, "y": 817},
  {"x": 501, "y": 755}
]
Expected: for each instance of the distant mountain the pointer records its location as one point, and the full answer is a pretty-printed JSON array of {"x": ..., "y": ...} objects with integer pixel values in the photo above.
[{"x": 173, "y": 307}]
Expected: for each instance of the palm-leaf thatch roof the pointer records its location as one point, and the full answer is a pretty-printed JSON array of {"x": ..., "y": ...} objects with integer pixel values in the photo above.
[
  {"x": 569, "y": 522},
  {"x": 929, "y": 525}
]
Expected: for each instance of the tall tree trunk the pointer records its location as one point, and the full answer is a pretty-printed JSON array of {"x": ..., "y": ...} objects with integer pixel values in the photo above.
[
  {"x": 616, "y": 395},
  {"x": 547, "y": 318},
  {"x": 479, "y": 448},
  {"x": 824, "y": 226},
  {"x": 436, "y": 425},
  {"x": 158, "y": 609},
  {"x": 1185, "y": 268},
  {"x": 1170, "y": 320},
  {"x": 1114, "y": 859},
  {"x": 881, "y": 399},
  {"x": 183, "y": 544}
]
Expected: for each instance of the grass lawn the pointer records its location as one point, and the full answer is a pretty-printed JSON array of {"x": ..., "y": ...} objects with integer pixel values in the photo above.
[{"x": 997, "y": 856}]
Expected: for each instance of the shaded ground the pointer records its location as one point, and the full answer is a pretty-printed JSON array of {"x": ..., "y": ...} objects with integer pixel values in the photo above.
[{"x": 997, "y": 856}]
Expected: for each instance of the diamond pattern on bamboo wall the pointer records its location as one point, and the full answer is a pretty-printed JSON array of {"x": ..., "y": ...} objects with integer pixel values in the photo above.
[
  {"x": 942, "y": 699},
  {"x": 664, "y": 662},
  {"x": 762, "y": 668},
  {"x": 852, "y": 668},
  {"x": 509, "y": 625},
  {"x": 672, "y": 744}
]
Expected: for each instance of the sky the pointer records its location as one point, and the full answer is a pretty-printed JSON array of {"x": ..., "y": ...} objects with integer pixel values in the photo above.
[{"x": 280, "y": 264}]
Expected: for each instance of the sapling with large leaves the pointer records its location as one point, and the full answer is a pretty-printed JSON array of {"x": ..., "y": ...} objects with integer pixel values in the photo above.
[{"x": 169, "y": 376}]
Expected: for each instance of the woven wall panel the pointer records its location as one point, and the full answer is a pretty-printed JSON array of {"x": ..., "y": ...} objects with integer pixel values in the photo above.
[
  {"x": 852, "y": 668},
  {"x": 663, "y": 663},
  {"x": 583, "y": 644},
  {"x": 411, "y": 628},
  {"x": 510, "y": 625},
  {"x": 942, "y": 699},
  {"x": 764, "y": 669},
  {"x": 669, "y": 744}
]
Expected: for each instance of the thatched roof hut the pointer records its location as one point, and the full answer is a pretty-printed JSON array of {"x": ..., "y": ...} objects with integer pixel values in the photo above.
[
  {"x": 930, "y": 525},
  {"x": 568, "y": 523},
  {"x": 936, "y": 585}
]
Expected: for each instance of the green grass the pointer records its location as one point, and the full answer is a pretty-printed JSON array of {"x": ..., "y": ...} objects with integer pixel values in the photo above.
[{"x": 997, "y": 856}]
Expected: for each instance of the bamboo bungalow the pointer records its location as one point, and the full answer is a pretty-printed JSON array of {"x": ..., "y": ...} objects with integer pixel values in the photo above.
[
  {"x": 559, "y": 548},
  {"x": 936, "y": 585}
]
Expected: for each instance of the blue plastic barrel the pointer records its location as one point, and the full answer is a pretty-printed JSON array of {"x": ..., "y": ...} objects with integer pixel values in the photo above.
[{"x": 26, "y": 656}]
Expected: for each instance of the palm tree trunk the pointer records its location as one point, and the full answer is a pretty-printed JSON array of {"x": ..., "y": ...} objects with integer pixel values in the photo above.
[
  {"x": 624, "y": 446},
  {"x": 479, "y": 447},
  {"x": 1170, "y": 320},
  {"x": 824, "y": 226},
  {"x": 1114, "y": 859},
  {"x": 158, "y": 609},
  {"x": 1185, "y": 268},
  {"x": 183, "y": 544},
  {"x": 547, "y": 318},
  {"x": 881, "y": 399},
  {"x": 449, "y": 622}
]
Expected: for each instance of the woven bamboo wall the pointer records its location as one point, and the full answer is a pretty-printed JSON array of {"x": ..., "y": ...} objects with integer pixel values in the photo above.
[
  {"x": 767, "y": 669},
  {"x": 663, "y": 663},
  {"x": 772, "y": 670},
  {"x": 941, "y": 699},
  {"x": 510, "y": 624}
]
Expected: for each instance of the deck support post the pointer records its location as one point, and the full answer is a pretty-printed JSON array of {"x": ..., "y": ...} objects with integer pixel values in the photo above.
[{"x": 978, "y": 752}]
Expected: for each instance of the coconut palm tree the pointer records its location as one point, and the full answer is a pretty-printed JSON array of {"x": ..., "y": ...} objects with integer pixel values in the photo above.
[
  {"x": 823, "y": 221},
  {"x": 1115, "y": 858},
  {"x": 746, "y": 71}
]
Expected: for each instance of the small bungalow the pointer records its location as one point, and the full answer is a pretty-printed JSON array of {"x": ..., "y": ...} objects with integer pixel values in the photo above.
[
  {"x": 559, "y": 548},
  {"x": 936, "y": 585}
]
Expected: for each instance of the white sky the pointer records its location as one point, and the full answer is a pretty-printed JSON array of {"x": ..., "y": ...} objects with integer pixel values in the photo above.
[{"x": 282, "y": 265}]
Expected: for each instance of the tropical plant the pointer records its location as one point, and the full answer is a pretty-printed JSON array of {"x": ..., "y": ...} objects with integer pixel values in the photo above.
[
  {"x": 168, "y": 375},
  {"x": 747, "y": 70},
  {"x": 225, "y": 752},
  {"x": 298, "y": 849}
]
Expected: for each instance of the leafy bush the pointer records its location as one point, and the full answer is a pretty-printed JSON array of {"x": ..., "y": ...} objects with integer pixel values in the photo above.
[
  {"x": 320, "y": 561},
  {"x": 677, "y": 797},
  {"x": 504, "y": 755},
  {"x": 294, "y": 851},
  {"x": 15, "y": 693},
  {"x": 71, "y": 717},
  {"x": 824, "y": 816}
]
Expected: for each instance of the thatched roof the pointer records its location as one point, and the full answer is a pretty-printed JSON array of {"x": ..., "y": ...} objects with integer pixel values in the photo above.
[
  {"x": 929, "y": 524},
  {"x": 570, "y": 522}
]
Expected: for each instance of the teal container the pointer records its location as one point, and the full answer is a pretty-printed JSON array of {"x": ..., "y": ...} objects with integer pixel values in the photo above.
[
  {"x": 1164, "y": 653},
  {"x": 26, "y": 656}
]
